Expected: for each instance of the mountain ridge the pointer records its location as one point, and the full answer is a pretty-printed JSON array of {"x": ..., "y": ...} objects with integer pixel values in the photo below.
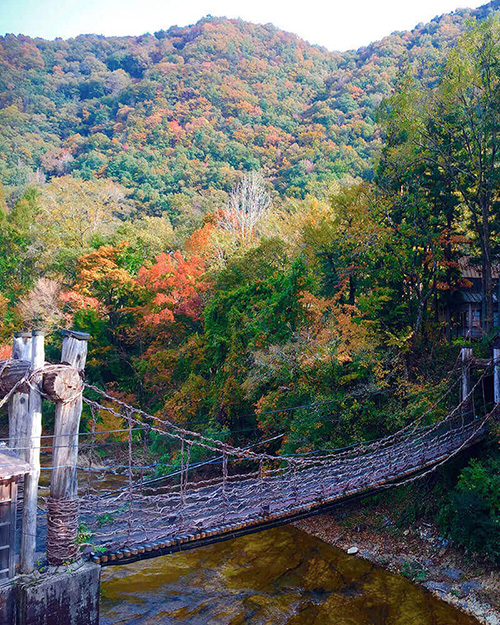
[{"x": 181, "y": 112}]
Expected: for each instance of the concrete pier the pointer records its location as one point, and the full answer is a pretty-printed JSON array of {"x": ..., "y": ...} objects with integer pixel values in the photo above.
[{"x": 64, "y": 595}]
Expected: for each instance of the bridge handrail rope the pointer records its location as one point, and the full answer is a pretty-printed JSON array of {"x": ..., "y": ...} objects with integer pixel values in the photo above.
[
  {"x": 361, "y": 445},
  {"x": 428, "y": 427},
  {"x": 177, "y": 433},
  {"x": 212, "y": 462}
]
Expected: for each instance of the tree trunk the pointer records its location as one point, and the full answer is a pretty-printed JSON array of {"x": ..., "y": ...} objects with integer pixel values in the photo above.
[
  {"x": 487, "y": 291},
  {"x": 352, "y": 290}
]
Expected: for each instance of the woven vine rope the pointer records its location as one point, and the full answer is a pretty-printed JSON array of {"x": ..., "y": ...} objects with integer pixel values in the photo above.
[{"x": 62, "y": 530}]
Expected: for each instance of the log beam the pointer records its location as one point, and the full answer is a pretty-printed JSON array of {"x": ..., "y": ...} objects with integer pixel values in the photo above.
[
  {"x": 60, "y": 383},
  {"x": 11, "y": 373}
]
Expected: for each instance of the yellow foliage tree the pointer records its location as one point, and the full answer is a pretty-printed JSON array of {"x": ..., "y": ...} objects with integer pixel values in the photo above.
[{"x": 72, "y": 211}]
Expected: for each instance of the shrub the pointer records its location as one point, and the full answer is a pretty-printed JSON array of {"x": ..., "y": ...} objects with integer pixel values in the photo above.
[{"x": 472, "y": 516}]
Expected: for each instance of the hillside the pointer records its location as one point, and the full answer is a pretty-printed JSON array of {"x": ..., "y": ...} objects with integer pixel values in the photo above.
[{"x": 185, "y": 110}]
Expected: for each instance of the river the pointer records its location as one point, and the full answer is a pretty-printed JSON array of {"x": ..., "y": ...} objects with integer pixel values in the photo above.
[{"x": 279, "y": 576}]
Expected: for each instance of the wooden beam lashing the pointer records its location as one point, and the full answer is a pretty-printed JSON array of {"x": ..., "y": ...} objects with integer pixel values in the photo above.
[{"x": 59, "y": 384}]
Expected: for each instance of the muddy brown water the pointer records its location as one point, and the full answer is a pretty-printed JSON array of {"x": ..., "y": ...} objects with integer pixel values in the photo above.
[{"x": 278, "y": 576}]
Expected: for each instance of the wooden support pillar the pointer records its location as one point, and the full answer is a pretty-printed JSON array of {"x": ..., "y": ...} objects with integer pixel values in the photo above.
[
  {"x": 466, "y": 353},
  {"x": 33, "y": 434},
  {"x": 19, "y": 402},
  {"x": 62, "y": 519},
  {"x": 496, "y": 370}
]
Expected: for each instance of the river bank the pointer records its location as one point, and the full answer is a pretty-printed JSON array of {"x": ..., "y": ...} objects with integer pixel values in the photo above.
[{"x": 416, "y": 551}]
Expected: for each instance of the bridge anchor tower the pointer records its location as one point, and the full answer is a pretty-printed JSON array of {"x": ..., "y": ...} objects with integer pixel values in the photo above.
[{"x": 67, "y": 590}]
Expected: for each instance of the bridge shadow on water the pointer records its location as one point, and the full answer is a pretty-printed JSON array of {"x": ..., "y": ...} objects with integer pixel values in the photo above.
[{"x": 279, "y": 576}]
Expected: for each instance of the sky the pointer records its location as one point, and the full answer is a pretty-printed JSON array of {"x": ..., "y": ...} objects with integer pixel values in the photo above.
[{"x": 335, "y": 24}]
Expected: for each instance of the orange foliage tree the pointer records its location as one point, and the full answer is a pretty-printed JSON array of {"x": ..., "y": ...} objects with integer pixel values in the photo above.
[
  {"x": 5, "y": 352},
  {"x": 102, "y": 283},
  {"x": 176, "y": 284}
]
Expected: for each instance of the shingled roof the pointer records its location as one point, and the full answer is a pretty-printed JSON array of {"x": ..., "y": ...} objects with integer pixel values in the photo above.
[{"x": 473, "y": 270}]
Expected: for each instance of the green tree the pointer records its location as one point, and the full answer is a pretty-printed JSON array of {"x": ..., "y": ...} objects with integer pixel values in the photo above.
[{"x": 452, "y": 132}]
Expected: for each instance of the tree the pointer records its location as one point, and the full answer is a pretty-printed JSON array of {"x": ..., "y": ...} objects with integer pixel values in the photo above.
[
  {"x": 42, "y": 307},
  {"x": 73, "y": 211},
  {"x": 106, "y": 301},
  {"x": 249, "y": 202},
  {"x": 415, "y": 212},
  {"x": 454, "y": 130},
  {"x": 148, "y": 236},
  {"x": 19, "y": 247},
  {"x": 176, "y": 284},
  {"x": 105, "y": 285}
]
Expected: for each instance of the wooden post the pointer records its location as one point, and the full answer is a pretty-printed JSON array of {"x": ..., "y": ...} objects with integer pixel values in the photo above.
[
  {"x": 496, "y": 370},
  {"x": 12, "y": 528},
  {"x": 18, "y": 403},
  {"x": 466, "y": 353},
  {"x": 21, "y": 346},
  {"x": 33, "y": 434},
  {"x": 62, "y": 520}
]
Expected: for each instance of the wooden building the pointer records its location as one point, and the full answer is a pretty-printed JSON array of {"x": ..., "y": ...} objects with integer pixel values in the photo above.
[
  {"x": 468, "y": 307},
  {"x": 11, "y": 469}
]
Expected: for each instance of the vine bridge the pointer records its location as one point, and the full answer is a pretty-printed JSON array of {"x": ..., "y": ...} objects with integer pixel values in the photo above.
[
  {"x": 241, "y": 491},
  {"x": 209, "y": 490}
]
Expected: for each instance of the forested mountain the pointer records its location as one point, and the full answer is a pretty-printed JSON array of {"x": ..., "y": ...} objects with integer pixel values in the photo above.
[{"x": 174, "y": 114}]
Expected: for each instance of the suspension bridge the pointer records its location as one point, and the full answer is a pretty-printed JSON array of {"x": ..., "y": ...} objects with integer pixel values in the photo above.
[
  {"x": 255, "y": 491},
  {"x": 214, "y": 490}
]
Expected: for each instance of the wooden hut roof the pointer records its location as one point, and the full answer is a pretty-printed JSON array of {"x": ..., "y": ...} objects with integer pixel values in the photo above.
[
  {"x": 473, "y": 270},
  {"x": 472, "y": 297},
  {"x": 11, "y": 465}
]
